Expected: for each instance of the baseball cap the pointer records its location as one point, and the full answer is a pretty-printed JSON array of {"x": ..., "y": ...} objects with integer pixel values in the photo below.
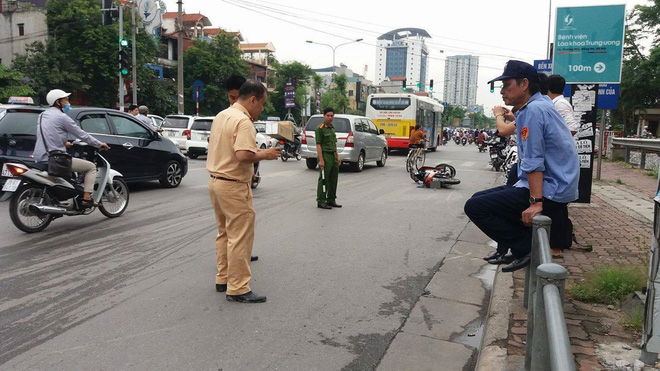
[{"x": 514, "y": 68}]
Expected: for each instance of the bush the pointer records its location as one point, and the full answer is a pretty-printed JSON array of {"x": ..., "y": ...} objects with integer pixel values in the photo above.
[{"x": 609, "y": 284}]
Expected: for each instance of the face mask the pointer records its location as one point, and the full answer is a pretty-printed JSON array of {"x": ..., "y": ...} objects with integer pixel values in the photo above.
[{"x": 66, "y": 108}]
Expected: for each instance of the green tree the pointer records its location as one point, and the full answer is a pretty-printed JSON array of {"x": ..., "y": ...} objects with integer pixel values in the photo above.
[
  {"x": 317, "y": 85},
  {"x": 212, "y": 62},
  {"x": 80, "y": 55},
  {"x": 451, "y": 113},
  {"x": 11, "y": 84},
  {"x": 298, "y": 73},
  {"x": 336, "y": 96}
]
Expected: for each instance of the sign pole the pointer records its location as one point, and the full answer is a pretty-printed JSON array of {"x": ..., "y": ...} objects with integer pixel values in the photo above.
[
  {"x": 601, "y": 139},
  {"x": 120, "y": 104},
  {"x": 134, "y": 53}
]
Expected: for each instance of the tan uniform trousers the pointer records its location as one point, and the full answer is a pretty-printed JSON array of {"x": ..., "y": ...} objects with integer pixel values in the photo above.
[
  {"x": 79, "y": 165},
  {"x": 234, "y": 214}
]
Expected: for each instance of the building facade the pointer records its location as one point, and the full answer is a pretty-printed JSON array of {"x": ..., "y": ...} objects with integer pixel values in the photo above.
[
  {"x": 402, "y": 53},
  {"x": 21, "y": 23},
  {"x": 460, "y": 86}
]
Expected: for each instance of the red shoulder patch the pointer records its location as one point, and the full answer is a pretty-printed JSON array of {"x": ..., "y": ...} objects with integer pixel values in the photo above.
[{"x": 524, "y": 133}]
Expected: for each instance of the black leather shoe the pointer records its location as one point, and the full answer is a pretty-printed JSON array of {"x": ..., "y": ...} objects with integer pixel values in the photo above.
[
  {"x": 333, "y": 204},
  {"x": 517, "y": 264},
  {"x": 254, "y": 258},
  {"x": 493, "y": 255},
  {"x": 248, "y": 297},
  {"x": 220, "y": 287},
  {"x": 502, "y": 259},
  {"x": 324, "y": 206}
]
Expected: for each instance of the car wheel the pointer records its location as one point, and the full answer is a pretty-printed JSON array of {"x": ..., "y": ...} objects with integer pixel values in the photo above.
[
  {"x": 359, "y": 165},
  {"x": 311, "y": 163},
  {"x": 383, "y": 159},
  {"x": 192, "y": 155},
  {"x": 172, "y": 176}
]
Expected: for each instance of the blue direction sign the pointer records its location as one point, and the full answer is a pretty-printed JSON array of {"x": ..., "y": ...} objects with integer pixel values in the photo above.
[
  {"x": 589, "y": 43},
  {"x": 543, "y": 65},
  {"x": 200, "y": 85}
]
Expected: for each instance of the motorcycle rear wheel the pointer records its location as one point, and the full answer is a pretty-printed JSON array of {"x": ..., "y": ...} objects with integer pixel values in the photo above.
[
  {"x": 19, "y": 209},
  {"x": 113, "y": 204}
]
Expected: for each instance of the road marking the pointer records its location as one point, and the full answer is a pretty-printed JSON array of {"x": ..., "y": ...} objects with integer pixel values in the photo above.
[{"x": 467, "y": 164}]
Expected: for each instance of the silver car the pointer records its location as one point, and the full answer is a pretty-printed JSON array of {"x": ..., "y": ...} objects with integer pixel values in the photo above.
[{"x": 358, "y": 141}]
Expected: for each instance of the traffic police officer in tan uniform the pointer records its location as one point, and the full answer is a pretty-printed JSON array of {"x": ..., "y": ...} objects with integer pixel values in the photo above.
[
  {"x": 232, "y": 151},
  {"x": 326, "y": 149}
]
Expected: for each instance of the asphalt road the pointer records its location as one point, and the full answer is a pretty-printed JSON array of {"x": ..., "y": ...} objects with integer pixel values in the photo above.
[{"x": 137, "y": 292}]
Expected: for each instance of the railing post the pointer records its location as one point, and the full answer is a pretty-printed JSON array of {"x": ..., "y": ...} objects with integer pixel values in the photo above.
[
  {"x": 642, "y": 159},
  {"x": 538, "y": 222},
  {"x": 627, "y": 159},
  {"x": 547, "y": 274}
]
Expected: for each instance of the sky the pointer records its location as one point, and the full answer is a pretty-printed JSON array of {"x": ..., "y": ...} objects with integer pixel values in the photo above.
[{"x": 496, "y": 31}]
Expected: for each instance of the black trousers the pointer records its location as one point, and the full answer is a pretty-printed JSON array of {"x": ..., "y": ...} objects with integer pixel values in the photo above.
[{"x": 498, "y": 213}]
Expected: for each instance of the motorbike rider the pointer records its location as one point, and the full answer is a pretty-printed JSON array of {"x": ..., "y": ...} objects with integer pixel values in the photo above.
[{"x": 55, "y": 125}]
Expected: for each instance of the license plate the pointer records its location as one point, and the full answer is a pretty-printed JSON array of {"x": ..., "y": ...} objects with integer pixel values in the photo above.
[
  {"x": 493, "y": 155},
  {"x": 11, "y": 185},
  {"x": 5, "y": 171},
  {"x": 205, "y": 137},
  {"x": 171, "y": 134}
]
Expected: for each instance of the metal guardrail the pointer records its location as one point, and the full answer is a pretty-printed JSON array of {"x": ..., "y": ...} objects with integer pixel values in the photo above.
[
  {"x": 548, "y": 346},
  {"x": 644, "y": 145}
]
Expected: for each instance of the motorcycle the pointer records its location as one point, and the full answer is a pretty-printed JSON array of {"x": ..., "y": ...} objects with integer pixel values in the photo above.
[
  {"x": 470, "y": 139},
  {"x": 287, "y": 151},
  {"x": 511, "y": 158},
  {"x": 256, "y": 178},
  {"x": 464, "y": 140},
  {"x": 482, "y": 146},
  {"x": 497, "y": 151},
  {"x": 457, "y": 140},
  {"x": 37, "y": 197}
]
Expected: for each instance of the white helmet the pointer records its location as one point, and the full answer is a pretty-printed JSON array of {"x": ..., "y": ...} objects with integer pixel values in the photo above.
[{"x": 54, "y": 95}]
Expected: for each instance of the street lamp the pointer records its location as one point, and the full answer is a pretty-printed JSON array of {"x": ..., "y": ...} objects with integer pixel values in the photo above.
[{"x": 334, "y": 48}]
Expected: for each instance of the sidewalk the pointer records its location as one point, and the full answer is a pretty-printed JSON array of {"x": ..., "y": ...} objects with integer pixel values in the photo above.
[{"x": 618, "y": 224}]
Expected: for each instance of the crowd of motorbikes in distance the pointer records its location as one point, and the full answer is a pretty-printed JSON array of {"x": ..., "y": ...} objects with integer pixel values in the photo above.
[{"x": 503, "y": 152}]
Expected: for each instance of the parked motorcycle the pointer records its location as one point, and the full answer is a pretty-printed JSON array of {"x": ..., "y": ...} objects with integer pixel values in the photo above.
[
  {"x": 497, "y": 151},
  {"x": 38, "y": 197},
  {"x": 511, "y": 158},
  {"x": 287, "y": 151}
]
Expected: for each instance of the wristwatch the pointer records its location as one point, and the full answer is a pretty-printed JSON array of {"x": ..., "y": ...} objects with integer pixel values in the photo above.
[{"x": 533, "y": 200}]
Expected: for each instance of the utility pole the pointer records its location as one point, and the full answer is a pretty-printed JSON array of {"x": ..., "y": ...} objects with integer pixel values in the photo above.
[
  {"x": 134, "y": 24},
  {"x": 179, "y": 77},
  {"x": 120, "y": 105}
]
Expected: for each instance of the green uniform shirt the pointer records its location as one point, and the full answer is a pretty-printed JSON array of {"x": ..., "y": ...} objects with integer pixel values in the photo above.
[{"x": 325, "y": 136}]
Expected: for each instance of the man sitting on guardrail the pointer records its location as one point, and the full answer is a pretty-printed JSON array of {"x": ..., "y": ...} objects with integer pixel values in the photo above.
[{"x": 548, "y": 171}]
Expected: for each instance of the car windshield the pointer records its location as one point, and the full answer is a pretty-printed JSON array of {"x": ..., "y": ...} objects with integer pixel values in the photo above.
[
  {"x": 260, "y": 127},
  {"x": 390, "y": 104},
  {"x": 202, "y": 125},
  {"x": 176, "y": 122},
  {"x": 17, "y": 123},
  {"x": 341, "y": 125}
]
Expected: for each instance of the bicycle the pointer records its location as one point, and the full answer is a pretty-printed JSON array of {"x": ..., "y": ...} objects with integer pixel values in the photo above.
[{"x": 416, "y": 157}]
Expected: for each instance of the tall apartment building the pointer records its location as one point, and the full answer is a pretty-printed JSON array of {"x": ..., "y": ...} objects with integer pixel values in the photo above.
[
  {"x": 461, "y": 80},
  {"x": 403, "y": 53}
]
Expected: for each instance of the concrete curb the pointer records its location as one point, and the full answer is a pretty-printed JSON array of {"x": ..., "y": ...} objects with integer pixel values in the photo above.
[{"x": 493, "y": 352}]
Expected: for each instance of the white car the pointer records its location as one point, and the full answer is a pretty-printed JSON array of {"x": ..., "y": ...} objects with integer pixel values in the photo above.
[
  {"x": 177, "y": 128},
  {"x": 197, "y": 140},
  {"x": 156, "y": 121},
  {"x": 264, "y": 141}
]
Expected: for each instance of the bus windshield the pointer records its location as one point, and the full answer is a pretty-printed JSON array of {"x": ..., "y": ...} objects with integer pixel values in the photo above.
[{"x": 390, "y": 104}]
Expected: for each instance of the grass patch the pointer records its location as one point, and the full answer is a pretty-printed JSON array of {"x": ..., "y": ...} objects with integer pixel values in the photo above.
[
  {"x": 653, "y": 173},
  {"x": 609, "y": 284},
  {"x": 619, "y": 181},
  {"x": 634, "y": 322}
]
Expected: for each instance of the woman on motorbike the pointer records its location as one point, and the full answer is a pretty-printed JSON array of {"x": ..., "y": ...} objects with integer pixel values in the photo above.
[{"x": 54, "y": 125}]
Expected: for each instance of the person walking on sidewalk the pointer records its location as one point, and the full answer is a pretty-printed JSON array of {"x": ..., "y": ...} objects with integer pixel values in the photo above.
[
  {"x": 326, "y": 151},
  {"x": 232, "y": 152},
  {"x": 548, "y": 171}
]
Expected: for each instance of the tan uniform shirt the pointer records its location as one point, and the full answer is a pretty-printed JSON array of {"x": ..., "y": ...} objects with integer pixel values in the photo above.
[{"x": 232, "y": 130}]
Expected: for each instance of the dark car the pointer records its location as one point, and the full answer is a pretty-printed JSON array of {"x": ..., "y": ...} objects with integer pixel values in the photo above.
[{"x": 137, "y": 151}]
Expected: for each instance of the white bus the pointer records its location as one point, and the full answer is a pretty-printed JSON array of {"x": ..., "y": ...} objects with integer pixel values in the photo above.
[{"x": 398, "y": 113}]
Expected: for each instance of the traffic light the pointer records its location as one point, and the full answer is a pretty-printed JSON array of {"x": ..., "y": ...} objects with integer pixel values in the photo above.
[
  {"x": 124, "y": 62},
  {"x": 419, "y": 86},
  {"x": 431, "y": 85},
  {"x": 403, "y": 87},
  {"x": 492, "y": 87}
]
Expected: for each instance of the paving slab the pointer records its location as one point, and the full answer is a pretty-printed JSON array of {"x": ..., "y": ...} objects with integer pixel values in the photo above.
[
  {"x": 473, "y": 234},
  {"x": 430, "y": 317},
  {"x": 417, "y": 353},
  {"x": 465, "y": 259},
  {"x": 443, "y": 286}
]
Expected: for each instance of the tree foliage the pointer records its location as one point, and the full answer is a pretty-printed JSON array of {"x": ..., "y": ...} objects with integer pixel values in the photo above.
[
  {"x": 211, "y": 63},
  {"x": 451, "y": 113},
  {"x": 336, "y": 96},
  {"x": 80, "y": 55},
  {"x": 11, "y": 84},
  {"x": 298, "y": 73}
]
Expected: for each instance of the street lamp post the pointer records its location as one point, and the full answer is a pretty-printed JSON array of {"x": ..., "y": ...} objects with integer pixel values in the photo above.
[{"x": 334, "y": 49}]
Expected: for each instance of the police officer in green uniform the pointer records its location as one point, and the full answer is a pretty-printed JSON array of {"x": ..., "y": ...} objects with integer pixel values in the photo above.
[{"x": 326, "y": 149}]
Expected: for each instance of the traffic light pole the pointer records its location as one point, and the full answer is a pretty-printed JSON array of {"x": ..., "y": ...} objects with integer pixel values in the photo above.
[
  {"x": 120, "y": 105},
  {"x": 134, "y": 55},
  {"x": 179, "y": 79}
]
